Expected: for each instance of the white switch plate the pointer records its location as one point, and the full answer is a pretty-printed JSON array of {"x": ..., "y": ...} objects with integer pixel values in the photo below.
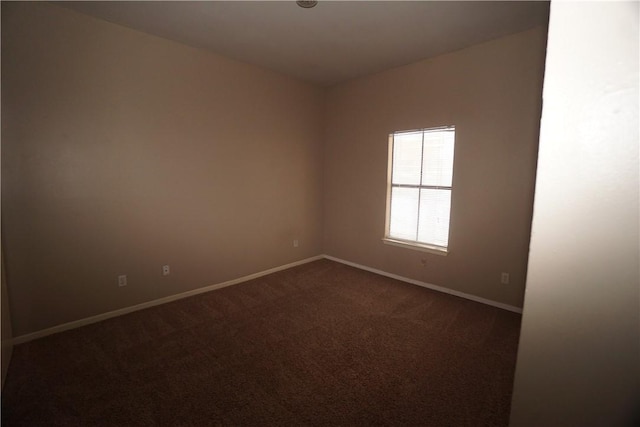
[
  {"x": 295, "y": 243},
  {"x": 165, "y": 270},
  {"x": 122, "y": 280},
  {"x": 504, "y": 278}
]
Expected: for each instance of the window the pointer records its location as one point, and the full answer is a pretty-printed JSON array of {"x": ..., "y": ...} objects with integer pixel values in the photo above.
[{"x": 419, "y": 188}]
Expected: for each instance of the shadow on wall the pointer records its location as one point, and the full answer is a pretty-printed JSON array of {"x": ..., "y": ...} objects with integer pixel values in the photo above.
[{"x": 7, "y": 346}]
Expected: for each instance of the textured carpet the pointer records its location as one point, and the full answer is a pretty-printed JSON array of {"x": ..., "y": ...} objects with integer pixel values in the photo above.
[{"x": 319, "y": 344}]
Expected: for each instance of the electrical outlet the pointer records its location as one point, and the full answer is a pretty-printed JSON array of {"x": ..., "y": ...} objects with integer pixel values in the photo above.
[
  {"x": 504, "y": 278},
  {"x": 295, "y": 243},
  {"x": 165, "y": 270},
  {"x": 122, "y": 280}
]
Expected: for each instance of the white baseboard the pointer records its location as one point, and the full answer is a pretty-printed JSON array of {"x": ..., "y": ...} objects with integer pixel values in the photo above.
[
  {"x": 93, "y": 319},
  {"x": 110, "y": 314},
  {"x": 429, "y": 285}
]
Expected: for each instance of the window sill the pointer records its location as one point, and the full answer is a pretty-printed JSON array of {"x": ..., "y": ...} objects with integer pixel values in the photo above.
[{"x": 437, "y": 250}]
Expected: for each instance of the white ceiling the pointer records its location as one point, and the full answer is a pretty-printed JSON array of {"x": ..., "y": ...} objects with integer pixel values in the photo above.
[{"x": 333, "y": 42}]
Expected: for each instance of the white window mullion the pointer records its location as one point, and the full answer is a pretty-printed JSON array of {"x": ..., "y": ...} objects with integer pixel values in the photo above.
[{"x": 420, "y": 192}]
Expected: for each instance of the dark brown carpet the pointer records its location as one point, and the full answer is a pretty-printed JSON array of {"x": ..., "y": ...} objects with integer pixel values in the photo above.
[{"x": 319, "y": 344}]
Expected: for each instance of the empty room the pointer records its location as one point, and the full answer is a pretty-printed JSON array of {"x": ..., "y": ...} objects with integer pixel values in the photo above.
[{"x": 320, "y": 213}]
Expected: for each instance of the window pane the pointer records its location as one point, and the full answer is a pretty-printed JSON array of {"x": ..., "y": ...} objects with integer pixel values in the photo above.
[
  {"x": 407, "y": 156},
  {"x": 437, "y": 166},
  {"x": 403, "y": 223},
  {"x": 435, "y": 206}
]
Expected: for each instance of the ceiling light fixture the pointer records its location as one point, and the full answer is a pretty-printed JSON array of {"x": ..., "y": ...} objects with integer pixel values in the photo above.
[{"x": 307, "y": 4}]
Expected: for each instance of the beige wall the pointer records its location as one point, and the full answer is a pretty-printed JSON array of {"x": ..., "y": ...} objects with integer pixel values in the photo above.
[
  {"x": 122, "y": 152},
  {"x": 579, "y": 356},
  {"x": 491, "y": 92}
]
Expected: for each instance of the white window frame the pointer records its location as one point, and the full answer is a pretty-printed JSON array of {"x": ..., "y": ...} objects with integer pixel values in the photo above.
[{"x": 413, "y": 244}]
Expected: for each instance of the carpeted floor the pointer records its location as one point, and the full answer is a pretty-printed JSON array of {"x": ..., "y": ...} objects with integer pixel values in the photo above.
[{"x": 318, "y": 344}]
